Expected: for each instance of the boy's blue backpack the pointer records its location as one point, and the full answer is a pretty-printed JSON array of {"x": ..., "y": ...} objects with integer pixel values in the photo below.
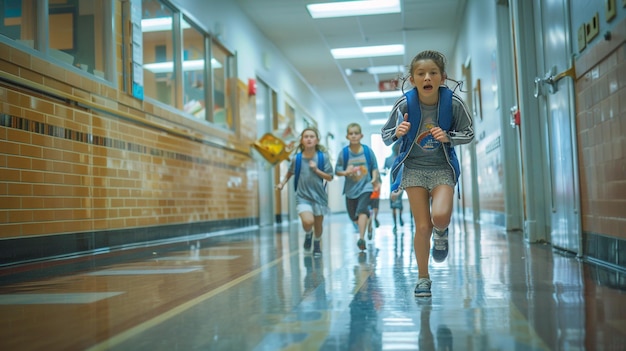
[{"x": 320, "y": 165}]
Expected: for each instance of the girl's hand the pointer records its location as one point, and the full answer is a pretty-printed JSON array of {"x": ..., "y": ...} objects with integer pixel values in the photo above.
[
  {"x": 279, "y": 186},
  {"x": 312, "y": 165},
  {"x": 439, "y": 135},
  {"x": 403, "y": 127}
]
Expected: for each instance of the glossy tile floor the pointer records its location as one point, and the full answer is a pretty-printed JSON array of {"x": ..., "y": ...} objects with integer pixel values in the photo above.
[{"x": 257, "y": 290}]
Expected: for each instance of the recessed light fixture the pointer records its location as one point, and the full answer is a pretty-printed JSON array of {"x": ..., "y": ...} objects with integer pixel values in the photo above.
[
  {"x": 368, "y": 51},
  {"x": 367, "y": 95},
  {"x": 385, "y": 69},
  {"x": 353, "y": 8},
  {"x": 377, "y": 109}
]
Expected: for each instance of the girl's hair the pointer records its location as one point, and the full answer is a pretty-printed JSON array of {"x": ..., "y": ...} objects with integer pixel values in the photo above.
[
  {"x": 435, "y": 56},
  {"x": 438, "y": 58},
  {"x": 353, "y": 125},
  {"x": 318, "y": 147}
]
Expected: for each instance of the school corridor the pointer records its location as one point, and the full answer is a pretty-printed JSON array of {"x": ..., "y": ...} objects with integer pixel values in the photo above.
[{"x": 256, "y": 289}]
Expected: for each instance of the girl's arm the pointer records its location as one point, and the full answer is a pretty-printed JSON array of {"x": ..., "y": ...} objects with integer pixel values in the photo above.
[
  {"x": 281, "y": 185},
  {"x": 462, "y": 131},
  {"x": 388, "y": 131}
]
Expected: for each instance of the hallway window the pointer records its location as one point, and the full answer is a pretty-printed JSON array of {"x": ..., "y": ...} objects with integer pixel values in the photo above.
[
  {"x": 76, "y": 31},
  {"x": 18, "y": 21},
  {"x": 194, "y": 71},
  {"x": 158, "y": 54},
  {"x": 76, "y": 34},
  {"x": 224, "y": 84}
]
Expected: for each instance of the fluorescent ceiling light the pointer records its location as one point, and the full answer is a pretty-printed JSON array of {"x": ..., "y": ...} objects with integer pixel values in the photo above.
[
  {"x": 190, "y": 65},
  {"x": 353, "y": 8},
  {"x": 368, "y": 51},
  {"x": 377, "y": 109},
  {"x": 378, "y": 95},
  {"x": 385, "y": 69},
  {"x": 159, "y": 24},
  {"x": 378, "y": 122}
]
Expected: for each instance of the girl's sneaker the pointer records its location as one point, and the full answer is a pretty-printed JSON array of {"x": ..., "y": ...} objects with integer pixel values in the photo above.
[
  {"x": 361, "y": 244},
  {"x": 440, "y": 245},
  {"x": 307, "y": 241},
  {"x": 317, "y": 250},
  {"x": 422, "y": 289}
]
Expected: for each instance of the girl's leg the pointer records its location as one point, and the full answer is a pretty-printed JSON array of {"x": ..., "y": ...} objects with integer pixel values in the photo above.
[
  {"x": 307, "y": 224},
  {"x": 319, "y": 226},
  {"x": 307, "y": 220},
  {"x": 317, "y": 241},
  {"x": 420, "y": 208},
  {"x": 442, "y": 204}
]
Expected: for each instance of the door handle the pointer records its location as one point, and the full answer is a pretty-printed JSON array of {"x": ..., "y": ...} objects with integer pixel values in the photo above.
[{"x": 551, "y": 80}]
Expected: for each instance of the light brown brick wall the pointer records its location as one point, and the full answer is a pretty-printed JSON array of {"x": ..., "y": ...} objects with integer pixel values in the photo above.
[
  {"x": 601, "y": 126},
  {"x": 69, "y": 168}
]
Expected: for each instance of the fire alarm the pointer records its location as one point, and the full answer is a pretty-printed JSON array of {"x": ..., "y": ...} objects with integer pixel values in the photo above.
[{"x": 251, "y": 87}]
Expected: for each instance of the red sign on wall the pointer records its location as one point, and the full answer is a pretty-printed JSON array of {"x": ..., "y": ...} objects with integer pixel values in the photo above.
[{"x": 388, "y": 85}]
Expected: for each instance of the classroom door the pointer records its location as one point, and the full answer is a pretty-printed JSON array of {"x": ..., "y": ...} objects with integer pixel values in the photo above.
[{"x": 554, "y": 89}]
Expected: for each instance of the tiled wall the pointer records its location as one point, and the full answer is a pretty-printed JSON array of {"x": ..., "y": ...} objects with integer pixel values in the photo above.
[
  {"x": 67, "y": 168},
  {"x": 601, "y": 127}
]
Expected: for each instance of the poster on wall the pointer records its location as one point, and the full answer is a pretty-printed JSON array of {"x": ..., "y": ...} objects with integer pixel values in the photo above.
[{"x": 137, "y": 45}]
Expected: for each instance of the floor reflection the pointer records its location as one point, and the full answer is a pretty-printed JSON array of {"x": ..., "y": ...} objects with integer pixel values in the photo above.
[{"x": 259, "y": 291}]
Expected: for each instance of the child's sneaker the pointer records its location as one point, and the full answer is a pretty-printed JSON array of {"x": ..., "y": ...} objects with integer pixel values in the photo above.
[
  {"x": 307, "y": 241},
  {"x": 422, "y": 289},
  {"x": 317, "y": 250},
  {"x": 361, "y": 244},
  {"x": 440, "y": 245},
  {"x": 376, "y": 222}
]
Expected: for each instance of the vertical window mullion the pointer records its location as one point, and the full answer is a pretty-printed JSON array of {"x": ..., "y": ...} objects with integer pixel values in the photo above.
[{"x": 177, "y": 40}]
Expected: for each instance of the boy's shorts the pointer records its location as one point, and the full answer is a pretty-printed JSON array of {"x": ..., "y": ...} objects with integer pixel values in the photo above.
[{"x": 359, "y": 205}]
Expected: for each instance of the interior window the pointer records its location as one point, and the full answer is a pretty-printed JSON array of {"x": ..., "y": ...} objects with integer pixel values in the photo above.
[
  {"x": 158, "y": 54},
  {"x": 194, "y": 71}
]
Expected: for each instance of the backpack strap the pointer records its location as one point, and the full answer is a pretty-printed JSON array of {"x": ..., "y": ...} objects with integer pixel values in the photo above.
[{"x": 297, "y": 170}]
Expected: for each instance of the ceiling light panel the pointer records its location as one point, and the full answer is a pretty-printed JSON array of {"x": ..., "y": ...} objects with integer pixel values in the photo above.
[
  {"x": 368, "y": 51},
  {"x": 353, "y": 8},
  {"x": 368, "y": 95}
]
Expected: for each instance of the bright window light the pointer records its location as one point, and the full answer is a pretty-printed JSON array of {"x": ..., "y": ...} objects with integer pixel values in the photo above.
[
  {"x": 378, "y": 122},
  {"x": 191, "y": 65},
  {"x": 368, "y": 51},
  {"x": 377, "y": 109},
  {"x": 353, "y": 8},
  {"x": 378, "y": 95},
  {"x": 159, "y": 24}
]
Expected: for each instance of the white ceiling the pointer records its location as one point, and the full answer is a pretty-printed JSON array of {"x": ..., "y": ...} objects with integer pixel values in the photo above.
[{"x": 306, "y": 43}]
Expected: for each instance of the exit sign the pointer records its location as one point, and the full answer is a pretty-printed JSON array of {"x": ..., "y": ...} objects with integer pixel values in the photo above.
[{"x": 388, "y": 85}]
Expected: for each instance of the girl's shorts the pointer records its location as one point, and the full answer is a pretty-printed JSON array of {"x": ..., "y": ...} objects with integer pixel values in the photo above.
[
  {"x": 427, "y": 178},
  {"x": 308, "y": 206}
]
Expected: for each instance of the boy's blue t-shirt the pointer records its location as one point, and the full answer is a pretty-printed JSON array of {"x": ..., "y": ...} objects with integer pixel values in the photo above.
[{"x": 361, "y": 182}]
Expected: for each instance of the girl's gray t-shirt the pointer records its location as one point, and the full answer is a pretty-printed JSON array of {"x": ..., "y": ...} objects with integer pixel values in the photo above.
[{"x": 310, "y": 185}]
